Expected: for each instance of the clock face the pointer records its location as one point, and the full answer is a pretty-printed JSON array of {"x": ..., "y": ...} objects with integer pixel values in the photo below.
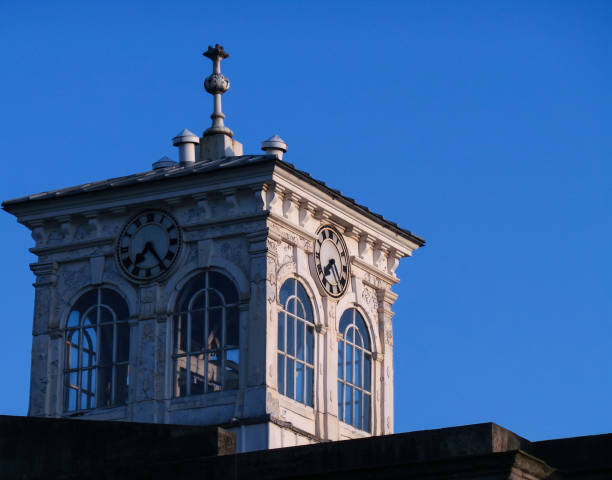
[
  {"x": 331, "y": 261},
  {"x": 148, "y": 245}
]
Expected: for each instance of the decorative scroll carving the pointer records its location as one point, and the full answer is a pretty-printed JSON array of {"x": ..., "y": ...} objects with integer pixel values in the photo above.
[
  {"x": 368, "y": 297},
  {"x": 285, "y": 253}
]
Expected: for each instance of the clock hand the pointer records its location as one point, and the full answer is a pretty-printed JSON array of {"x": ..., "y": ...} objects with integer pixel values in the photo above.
[
  {"x": 151, "y": 249},
  {"x": 336, "y": 273},
  {"x": 141, "y": 256}
]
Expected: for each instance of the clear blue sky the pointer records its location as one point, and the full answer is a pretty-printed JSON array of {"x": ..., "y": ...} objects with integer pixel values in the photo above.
[{"x": 482, "y": 126}]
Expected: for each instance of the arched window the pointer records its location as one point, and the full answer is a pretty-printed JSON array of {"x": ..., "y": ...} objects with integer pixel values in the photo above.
[
  {"x": 96, "y": 370},
  {"x": 206, "y": 340},
  {"x": 295, "y": 343},
  {"x": 354, "y": 371}
]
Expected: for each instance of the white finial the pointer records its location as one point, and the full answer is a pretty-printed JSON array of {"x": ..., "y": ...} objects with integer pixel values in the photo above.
[
  {"x": 216, "y": 84},
  {"x": 186, "y": 142},
  {"x": 274, "y": 146}
]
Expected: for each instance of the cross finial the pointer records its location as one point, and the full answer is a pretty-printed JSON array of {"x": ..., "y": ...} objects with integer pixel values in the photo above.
[{"x": 216, "y": 84}]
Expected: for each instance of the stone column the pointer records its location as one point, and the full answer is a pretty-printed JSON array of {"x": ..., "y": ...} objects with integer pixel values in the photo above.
[
  {"x": 386, "y": 298},
  {"x": 145, "y": 374},
  {"x": 46, "y": 344},
  {"x": 257, "y": 356}
]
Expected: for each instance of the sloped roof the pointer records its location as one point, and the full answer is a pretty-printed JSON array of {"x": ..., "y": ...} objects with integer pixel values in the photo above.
[{"x": 203, "y": 167}]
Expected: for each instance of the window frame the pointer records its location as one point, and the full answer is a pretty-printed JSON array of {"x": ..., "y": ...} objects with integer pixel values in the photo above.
[
  {"x": 346, "y": 384},
  {"x": 180, "y": 389},
  {"x": 94, "y": 365},
  {"x": 285, "y": 358}
]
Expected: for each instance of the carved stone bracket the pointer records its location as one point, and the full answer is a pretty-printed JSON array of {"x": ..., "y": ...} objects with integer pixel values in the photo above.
[
  {"x": 366, "y": 242},
  {"x": 393, "y": 259},
  {"x": 259, "y": 193},
  {"x": 231, "y": 198},
  {"x": 289, "y": 199},
  {"x": 306, "y": 209},
  {"x": 204, "y": 203},
  {"x": 93, "y": 222},
  {"x": 39, "y": 235},
  {"x": 275, "y": 196},
  {"x": 380, "y": 256},
  {"x": 66, "y": 226}
]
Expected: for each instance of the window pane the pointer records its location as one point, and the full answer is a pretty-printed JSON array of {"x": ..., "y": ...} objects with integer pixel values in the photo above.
[
  {"x": 340, "y": 400},
  {"x": 73, "y": 378},
  {"x": 357, "y": 338},
  {"x": 91, "y": 317},
  {"x": 232, "y": 326},
  {"x": 180, "y": 333},
  {"x": 299, "y": 309},
  {"x": 290, "y": 335},
  {"x": 84, "y": 401},
  {"x": 303, "y": 296},
  {"x": 309, "y": 386},
  {"x": 310, "y": 345},
  {"x": 281, "y": 332},
  {"x": 105, "y": 386},
  {"x": 106, "y": 316},
  {"x": 71, "y": 395},
  {"x": 121, "y": 384},
  {"x": 345, "y": 321},
  {"x": 286, "y": 291},
  {"x": 198, "y": 301},
  {"x": 106, "y": 344},
  {"x": 85, "y": 301},
  {"x": 73, "y": 319},
  {"x": 197, "y": 331},
  {"x": 180, "y": 380},
  {"x": 357, "y": 410},
  {"x": 197, "y": 374},
  {"x": 299, "y": 381},
  {"x": 366, "y": 413},
  {"x": 123, "y": 342},
  {"x": 367, "y": 372},
  {"x": 348, "y": 404},
  {"x": 89, "y": 348},
  {"x": 348, "y": 371},
  {"x": 350, "y": 335},
  {"x": 291, "y": 305},
  {"x": 214, "y": 299},
  {"x": 300, "y": 339},
  {"x": 215, "y": 324},
  {"x": 340, "y": 359},
  {"x": 189, "y": 290},
  {"x": 280, "y": 378},
  {"x": 361, "y": 326},
  {"x": 289, "y": 382},
  {"x": 358, "y": 354},
  {"x": 214, "y": 372},
  {"x": 72, "y": 349},
  {"x": 232, "y": 362},
  {"x": 115, "y": 302},
  {"x": 224, "y": 285}
]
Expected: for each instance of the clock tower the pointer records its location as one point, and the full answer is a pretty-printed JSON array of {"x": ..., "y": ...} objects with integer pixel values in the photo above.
[{"x": 224, "y": 289}]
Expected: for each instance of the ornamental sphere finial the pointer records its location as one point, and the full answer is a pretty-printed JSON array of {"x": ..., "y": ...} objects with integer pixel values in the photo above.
[{"x": 216, "y": 83}]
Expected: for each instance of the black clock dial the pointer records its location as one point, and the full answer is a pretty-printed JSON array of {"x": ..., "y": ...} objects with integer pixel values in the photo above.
[
  {"x": 331, "y": 261},
  {"x": 148, "y": 245}
]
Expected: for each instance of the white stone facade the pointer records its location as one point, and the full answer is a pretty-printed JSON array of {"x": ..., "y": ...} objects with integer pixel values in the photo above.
[{"x": 256, "y": 224}]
